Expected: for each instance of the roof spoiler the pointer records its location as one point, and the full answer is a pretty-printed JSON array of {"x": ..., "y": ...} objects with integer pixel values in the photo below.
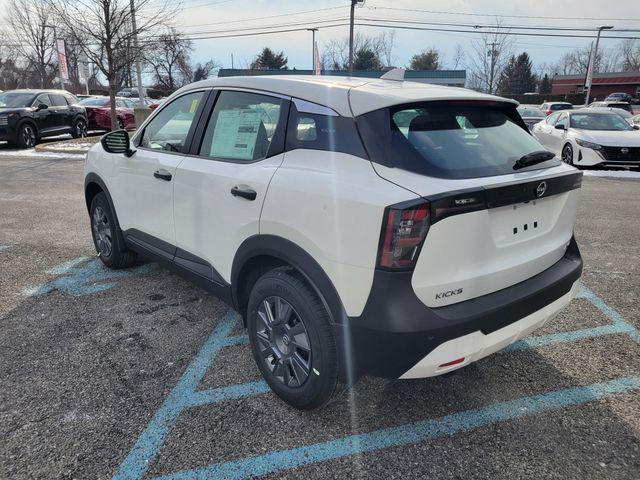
[{"x": 395, "y": 75}]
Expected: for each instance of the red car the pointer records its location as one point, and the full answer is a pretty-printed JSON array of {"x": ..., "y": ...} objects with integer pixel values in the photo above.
[{"x": 99, "y": 117}]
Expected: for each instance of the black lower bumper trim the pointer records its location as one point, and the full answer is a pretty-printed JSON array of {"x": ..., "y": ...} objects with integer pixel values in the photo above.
[{"x": 396, "y": 329}]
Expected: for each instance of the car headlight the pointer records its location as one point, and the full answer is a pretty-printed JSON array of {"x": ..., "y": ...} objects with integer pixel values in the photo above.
[{"x": 585, "y": 144}]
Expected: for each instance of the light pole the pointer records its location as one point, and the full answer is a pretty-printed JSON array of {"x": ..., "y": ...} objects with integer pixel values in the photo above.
[
  {"x": 351, "y": 21},
  {"x": 313, "y": 47},
  {"x": 55, "y": 39},
  {"x": 135, "y": 46},
  {"x": 592, "y": 62}
]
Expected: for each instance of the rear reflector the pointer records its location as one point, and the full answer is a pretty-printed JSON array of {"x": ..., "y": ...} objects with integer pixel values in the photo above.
[{"x": 453, "y": 362}]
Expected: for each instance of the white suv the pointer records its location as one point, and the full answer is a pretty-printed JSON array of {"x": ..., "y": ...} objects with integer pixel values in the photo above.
[{"x": 372, "y": 227}]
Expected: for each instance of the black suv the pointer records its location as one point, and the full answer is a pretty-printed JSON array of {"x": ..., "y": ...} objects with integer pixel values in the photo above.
[{"x": 28, "y": 115}]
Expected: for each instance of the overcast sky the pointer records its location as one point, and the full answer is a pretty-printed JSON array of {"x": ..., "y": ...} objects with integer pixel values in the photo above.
[
  {"x": 204, "y": 17},
  {"x": 297, "y": 45}
]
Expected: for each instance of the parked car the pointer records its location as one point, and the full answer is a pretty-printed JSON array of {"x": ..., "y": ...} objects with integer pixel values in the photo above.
[
  {"x": 531, "y": 114},
  {"x": 587, "y": 137},
  {"x": 622, "y": 97},
  {"x": 549, "y": 107},
  {"x": 26, "y": 116},
  {"x": 621, "y": 105},
  {"x": 623, "y": 113},
  {"x": 359, "y": 227},
  {"x": 635, "y": 120},
  {"x": 99, "y": 113}
]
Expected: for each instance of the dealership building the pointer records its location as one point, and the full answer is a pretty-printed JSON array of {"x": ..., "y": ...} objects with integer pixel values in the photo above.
[
  {"x": 452, "y": 78},
  {"x": 602, "y": 85}
]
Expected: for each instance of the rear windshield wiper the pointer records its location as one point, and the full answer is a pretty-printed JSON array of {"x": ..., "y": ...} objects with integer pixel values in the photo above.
[{"x": 533, "y": 158}]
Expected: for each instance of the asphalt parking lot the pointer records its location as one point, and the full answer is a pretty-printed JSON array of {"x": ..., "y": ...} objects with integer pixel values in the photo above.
[{"x": 139, "y": 374}]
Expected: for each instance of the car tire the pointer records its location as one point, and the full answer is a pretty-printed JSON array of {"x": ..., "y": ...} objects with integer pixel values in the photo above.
[
  {"x": 79, "y": 129},
  {"x": 567, "y": 154},
  {"x": 120, "y": 124},
  {"x": 27, "y": 136},
  {"x": 106, "y": 237},
  {"x": 293, "y": 343}
]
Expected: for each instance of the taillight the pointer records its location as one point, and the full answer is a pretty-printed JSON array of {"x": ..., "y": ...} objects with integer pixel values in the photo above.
[
  {"x": 549, "y": 112},
  {"x": 403, "y": 231}
]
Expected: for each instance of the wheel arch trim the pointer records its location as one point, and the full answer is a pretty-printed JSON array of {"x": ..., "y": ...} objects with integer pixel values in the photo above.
[{"x": 290, "y": 253}]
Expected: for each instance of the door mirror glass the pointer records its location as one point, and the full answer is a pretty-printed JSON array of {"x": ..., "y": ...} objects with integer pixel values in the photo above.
[
  {"x": 117, "y": 142},
  {"x": 42, "y": 106},
  {"x": 561, "y": 126}
]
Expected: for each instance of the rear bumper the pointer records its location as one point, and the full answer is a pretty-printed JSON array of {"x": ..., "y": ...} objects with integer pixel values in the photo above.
[{"x": 398, "y": 336}]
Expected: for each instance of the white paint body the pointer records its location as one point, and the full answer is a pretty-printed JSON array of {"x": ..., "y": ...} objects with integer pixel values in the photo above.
[{"x": 332, "y": 204}]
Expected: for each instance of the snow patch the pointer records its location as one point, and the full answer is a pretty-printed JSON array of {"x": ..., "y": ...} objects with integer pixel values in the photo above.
[{"x": 611, "y": 173}]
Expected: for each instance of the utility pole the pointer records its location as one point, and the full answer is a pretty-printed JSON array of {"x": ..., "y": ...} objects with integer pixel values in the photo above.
[
  {"x": 351, "y": 21},
  {"x": 492, "y": 67},
  {"x": 592, "y": 60},
  {"x": 137, "y": 53},
  {"x": 313, "y": 47}
]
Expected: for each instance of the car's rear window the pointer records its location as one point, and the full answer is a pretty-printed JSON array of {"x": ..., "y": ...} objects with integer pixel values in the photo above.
[
  {"x": 623, "y": 106},
  {"x": 561, "y": 106},
  {"x": 448, "y": 141}
]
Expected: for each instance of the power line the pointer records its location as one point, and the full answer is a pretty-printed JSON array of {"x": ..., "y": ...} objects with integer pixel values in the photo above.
[{"x": 498, "y": 15}]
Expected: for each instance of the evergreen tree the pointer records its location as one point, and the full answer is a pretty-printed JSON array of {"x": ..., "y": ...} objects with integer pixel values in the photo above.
[
  {"x": 545, "y": 84},
  {"x": 425, "y": 60},
  {"x": 517, "y": 77},
  {"x": 366, "y": 59},
  {"x": 269, "y": 60}
]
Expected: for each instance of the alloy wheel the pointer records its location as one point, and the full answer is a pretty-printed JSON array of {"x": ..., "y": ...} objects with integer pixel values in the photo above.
[
  {"x": 102, "y": 232},
  {"x": 81, "y": 129},
  {"x": 283, "y": 341},
  {"x": 28, "y": 136},
  {"x": 567, "y": 155}
]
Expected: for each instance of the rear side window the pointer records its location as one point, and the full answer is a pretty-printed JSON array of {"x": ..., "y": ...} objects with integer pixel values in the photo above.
[
  {"x": 323, "y": 132},
  {"x": 242, "y": 126},
  {"x": 169, "y": 129},
  {"x": 448, "y": 141},
  {"x": 58, "y": 100}
]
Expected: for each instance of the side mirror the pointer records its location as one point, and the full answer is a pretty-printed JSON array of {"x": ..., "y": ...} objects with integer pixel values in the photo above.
[
  {"x": 117, "y": 142},
  {"x": 636, "y": 127},
  {"x": 560, "y": 127},
  {"x": 42, "y": 106}
]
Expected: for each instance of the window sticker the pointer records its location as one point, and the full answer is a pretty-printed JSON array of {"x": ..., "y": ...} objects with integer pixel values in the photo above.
[{"x": 235, "y": 134}]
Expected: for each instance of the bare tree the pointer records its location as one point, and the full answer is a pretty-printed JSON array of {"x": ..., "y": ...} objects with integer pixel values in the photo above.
[
  {"x": 169, "y": 59},
  {"x": 104, "y": 32},
  {"x": 30, "y": 21},
  {"x": 489, "y": 55},
  {"x": 458, "y": 57},
  {"x": 202, "y": 71},
  {"x": 335, "y": 55},
  {"x": 629, "y": 51}
]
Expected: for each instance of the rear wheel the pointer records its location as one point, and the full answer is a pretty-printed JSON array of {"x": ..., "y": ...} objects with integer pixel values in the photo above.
[
  {"x": 108, "y": 242},
  {"x": 567, "y": 154},
  {"x": 27, "y": 136},
  {"x": 292, "y": 340},
  {"x": 120, "y": 124}
]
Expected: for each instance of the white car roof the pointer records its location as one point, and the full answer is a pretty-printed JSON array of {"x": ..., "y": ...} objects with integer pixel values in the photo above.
[{"x": 348, "y": 96}]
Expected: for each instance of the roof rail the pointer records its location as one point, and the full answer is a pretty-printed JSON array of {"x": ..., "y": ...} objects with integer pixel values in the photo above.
[{"x": 395, "y": 75}]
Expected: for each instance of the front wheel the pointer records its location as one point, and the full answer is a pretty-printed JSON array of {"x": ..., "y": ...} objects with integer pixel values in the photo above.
[
  {"x": 27, "y": 136},
  {"x": 567, "y": 154},
  {"x": 293, "y": 341},
  {"x": 79, "y": 129},
  {"x": 108, "y": 242}
]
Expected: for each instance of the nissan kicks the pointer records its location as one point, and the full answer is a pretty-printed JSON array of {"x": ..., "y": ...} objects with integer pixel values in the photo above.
[{"x": 360, "y": 227}]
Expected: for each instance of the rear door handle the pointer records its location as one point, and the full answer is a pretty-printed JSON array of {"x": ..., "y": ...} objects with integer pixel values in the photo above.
[
  {"x": 244, "y": 192},
  {"x": 162, "y": 174}
]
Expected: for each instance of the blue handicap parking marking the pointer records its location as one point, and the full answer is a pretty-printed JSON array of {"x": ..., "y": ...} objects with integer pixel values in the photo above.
[
  {"x": 84, "y": 276},
  {"x": 186, "y": 395}
]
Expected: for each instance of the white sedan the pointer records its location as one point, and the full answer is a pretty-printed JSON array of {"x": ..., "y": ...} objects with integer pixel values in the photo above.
[{"x": 587, "y": 138}]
